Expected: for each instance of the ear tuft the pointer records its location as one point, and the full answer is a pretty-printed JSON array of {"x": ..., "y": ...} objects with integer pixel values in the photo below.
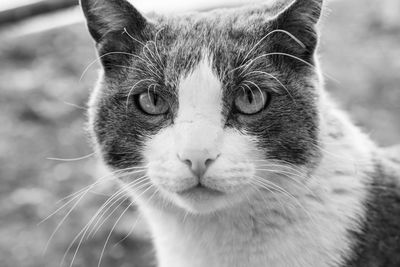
[{"x": 107, "y": 16}]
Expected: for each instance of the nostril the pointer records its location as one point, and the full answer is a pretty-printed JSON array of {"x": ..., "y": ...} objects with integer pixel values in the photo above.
[
  {"x": 185, "y": 160},
  {"x": 188, "y": 162},
  {"x": 208, "y": 162}
]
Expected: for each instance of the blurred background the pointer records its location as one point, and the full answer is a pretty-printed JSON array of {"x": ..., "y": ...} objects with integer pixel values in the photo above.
[{"x": 45, "y": 48}]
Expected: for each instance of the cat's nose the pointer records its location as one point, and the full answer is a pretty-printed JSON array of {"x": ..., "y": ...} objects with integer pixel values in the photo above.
[{"x": 198, "y": 160}]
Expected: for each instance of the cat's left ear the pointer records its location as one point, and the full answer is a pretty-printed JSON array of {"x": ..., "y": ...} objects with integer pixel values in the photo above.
[{"x": 299, "y": 19}]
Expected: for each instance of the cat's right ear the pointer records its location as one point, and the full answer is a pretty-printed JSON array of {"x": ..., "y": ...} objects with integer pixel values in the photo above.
[
  {"x": 112, "y": 16},
  {"x": 118, "y": 30}
]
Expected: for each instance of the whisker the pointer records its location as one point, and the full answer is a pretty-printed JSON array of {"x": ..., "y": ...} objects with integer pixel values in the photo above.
[
  {"x": 277, "y": 54},
  {"x": 107, "y": 54},
  {"x": 73, "y": 159},
  {"x": 295, "y": 173},
  {"x": 114, "y": 197},
  {"x": 109, "y": 176},
  {"x": 259, "y": 89},
  {"x": 288, "y": 175},
  {"x": 150, "y": 64},
  {"x": 269, "y": 190},
  {"x": 268, "y": 34},
  {"x": 79, "y": 197},
  {"x": 82, "y": 234},
  {"x": 109, "y": 235},
  {"x": 156, "y": 191},
  {"x": 153, "y": 68},
  {"x": 74, "y": 105},
  {"x": 155, "y": 46},
  {"x": 129, "y": 233},
  {"x": 97, "y": 226},
  {"x": 273, "y": 77},
  {"x": 342, "y": 157},
  {"x": 133, "y": 87},
  {"x": 61, "y": 222},
  {"x": 148, "y": 89},
  {"x": 251, "y": 91},
  {"x": 285, "y": 192},
  {"x": 115, "y": 224},
  {"x": 286, "y": 165},
  {"x": 133, "y": 38},
  {"x": 126, "y": 67},
  {"x": 145, "y": 46}
]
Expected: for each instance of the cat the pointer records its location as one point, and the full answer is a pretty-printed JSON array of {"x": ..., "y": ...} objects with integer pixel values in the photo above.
[{"x": 218, "y": 125}]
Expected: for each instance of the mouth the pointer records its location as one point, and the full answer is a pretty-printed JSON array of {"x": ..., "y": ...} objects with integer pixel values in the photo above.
[
  {"x": 202, "y": 199},
  {"x": 199, "y": 191}
]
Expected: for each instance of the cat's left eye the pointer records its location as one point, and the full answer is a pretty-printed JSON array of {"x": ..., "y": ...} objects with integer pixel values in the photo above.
[
  {"x": 251, "y": 102},
  {"x": 152, "y": 103}
]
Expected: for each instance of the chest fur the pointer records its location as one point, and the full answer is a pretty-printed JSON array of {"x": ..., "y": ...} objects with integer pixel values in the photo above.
[{"x": 312, "y": 234}]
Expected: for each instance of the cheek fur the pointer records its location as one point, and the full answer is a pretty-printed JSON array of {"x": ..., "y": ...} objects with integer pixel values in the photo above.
[{"x": 235, "y": 168}]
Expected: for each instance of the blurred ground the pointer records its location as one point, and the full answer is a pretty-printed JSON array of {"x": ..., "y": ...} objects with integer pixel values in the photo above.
[{"x": 39, "y": 82}]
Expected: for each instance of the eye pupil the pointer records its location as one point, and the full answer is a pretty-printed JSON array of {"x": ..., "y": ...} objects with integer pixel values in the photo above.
[
  {"x": 152, "y": 104},
  {"x": 155, "y": 99},
  {"x": 250, "y": 96}
]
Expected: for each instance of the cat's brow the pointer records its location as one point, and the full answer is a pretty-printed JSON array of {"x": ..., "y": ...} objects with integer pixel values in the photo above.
[
  {"x": 148, "y": 85},
  {"x": 261, "y": 79}
]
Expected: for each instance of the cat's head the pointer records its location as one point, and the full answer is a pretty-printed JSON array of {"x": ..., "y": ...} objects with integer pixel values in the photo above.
[{"x": 206, "y": 109}]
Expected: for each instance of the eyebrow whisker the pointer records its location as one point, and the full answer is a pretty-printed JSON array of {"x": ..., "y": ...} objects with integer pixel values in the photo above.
[
  {"x": 267, "y": 35},
  {"x": 273, "y": 77}
]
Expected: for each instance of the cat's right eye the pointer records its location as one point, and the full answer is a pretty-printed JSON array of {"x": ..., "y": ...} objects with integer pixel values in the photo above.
[{"x": 152, "y": 103}]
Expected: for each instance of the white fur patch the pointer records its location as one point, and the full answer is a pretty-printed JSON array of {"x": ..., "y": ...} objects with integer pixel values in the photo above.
[
  {"x": 200, "y": 95},
  {"x": 198, "y": 125}
]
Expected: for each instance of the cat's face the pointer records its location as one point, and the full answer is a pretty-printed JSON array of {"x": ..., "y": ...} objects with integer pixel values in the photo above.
[{"x": 213, "y": 107}]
